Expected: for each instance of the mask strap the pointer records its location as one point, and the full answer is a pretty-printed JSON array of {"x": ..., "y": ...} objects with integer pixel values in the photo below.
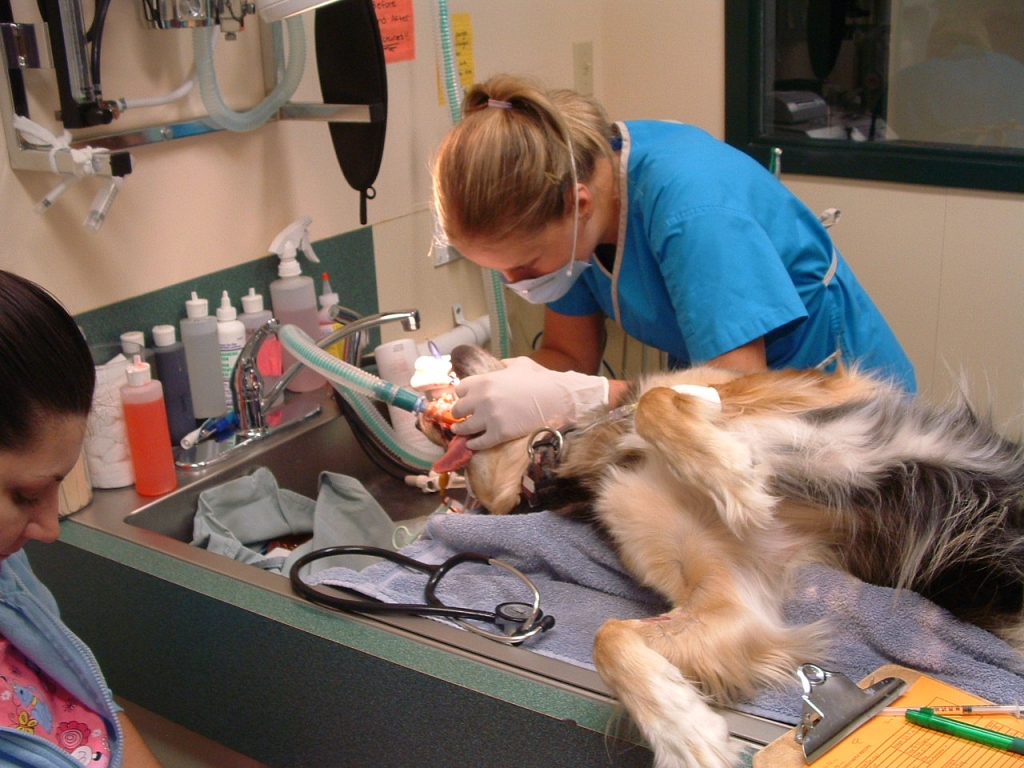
[{"x": 575, "y": 202}]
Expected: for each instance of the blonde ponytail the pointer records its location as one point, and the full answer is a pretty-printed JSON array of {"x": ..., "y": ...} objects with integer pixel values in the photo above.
[{"x": 505, "y": 169}]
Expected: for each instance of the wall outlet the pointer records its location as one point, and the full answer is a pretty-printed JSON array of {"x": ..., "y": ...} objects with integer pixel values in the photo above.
[{"x": 583, "y": 67}]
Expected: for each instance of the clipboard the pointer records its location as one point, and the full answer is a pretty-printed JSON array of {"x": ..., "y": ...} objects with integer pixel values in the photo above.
[{"x": 891, "y": 741}]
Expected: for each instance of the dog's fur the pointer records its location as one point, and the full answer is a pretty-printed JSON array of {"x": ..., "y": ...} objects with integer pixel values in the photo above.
[{"x": 714, "y": 508}]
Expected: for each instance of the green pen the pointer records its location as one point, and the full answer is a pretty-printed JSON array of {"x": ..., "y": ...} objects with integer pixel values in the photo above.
[{"x": 927, "y": 718}]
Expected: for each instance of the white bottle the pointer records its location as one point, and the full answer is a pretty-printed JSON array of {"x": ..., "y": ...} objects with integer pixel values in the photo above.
[
  {"x": 328, "y": 298},
  {"x": 396, "y": 362},
  {"x": 253, "y": 316},
  {"x": 230, "y": 340},
  {"x": 134, "y": 343},
  {"x": 293, "y": 296},
  {"x": 199, "y": 335}
]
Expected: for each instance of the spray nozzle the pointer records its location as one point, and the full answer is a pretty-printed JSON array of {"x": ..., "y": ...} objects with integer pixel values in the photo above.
[{"x": 289, "y": 242}]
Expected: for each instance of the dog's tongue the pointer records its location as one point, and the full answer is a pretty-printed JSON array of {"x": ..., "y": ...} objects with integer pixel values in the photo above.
[{"x": 456, "y": 455}]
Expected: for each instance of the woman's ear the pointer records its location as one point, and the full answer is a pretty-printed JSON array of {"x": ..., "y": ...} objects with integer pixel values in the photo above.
[{"x": 586, "y": 198}]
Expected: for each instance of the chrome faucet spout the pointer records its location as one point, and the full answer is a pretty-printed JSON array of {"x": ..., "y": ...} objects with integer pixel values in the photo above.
[
  {"x": 251, "y": 404},
  {"x": 410, "y": 319}
]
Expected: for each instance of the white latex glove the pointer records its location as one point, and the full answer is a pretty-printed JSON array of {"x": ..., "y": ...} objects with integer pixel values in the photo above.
[{"x": 521, "y": 398}]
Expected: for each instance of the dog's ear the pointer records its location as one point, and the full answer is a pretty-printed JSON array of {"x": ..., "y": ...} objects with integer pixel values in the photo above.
[{"x": 469, "y": 360}]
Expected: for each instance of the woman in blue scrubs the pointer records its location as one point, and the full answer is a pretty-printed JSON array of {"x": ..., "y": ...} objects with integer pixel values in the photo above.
[{"x": 689, "y": 244}]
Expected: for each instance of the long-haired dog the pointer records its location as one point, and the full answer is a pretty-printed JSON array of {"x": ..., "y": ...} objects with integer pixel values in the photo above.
[{"x": 714, "y": 506}]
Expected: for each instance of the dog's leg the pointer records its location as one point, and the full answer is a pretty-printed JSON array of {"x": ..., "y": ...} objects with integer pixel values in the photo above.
[
  {"x": 681, "y": 728},
  {"x": 705, "y": 456},
  {"x": 724, "y": 638}
]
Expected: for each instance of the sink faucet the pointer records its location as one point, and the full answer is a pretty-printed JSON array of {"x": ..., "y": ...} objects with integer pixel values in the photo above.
[{"x": 251, "y": 404}]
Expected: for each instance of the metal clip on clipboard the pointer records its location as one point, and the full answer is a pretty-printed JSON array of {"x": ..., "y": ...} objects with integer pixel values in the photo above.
[{"x": 834, "y": 707}]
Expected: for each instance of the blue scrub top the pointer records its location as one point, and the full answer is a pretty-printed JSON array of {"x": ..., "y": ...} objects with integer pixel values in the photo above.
[{"x": 715, "y": 252}]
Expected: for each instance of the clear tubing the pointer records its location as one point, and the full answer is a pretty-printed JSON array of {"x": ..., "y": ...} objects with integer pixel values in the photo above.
[
  {"x": 303, "y": 348},
  {"x": 206, "y": 74},
  {"x": 180, "y": 92}
]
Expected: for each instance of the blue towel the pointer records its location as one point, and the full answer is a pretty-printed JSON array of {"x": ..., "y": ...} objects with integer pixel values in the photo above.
[{"x": 582, "y": 583}]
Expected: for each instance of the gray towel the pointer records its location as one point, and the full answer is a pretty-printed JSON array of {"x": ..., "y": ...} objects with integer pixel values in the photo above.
[
  {"x": 237, "y": 519},
  {"x": 582, "y": 584}
]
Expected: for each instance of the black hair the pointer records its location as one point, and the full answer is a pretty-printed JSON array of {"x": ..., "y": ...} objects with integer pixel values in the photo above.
[{"x": 44, "y": 359}]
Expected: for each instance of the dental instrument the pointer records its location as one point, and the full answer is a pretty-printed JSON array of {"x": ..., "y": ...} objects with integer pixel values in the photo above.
[{"x": 518, "y": 621}]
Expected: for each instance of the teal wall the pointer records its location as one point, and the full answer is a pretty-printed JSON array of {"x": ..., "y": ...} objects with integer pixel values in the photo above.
[{"x": 347, "y": 258}]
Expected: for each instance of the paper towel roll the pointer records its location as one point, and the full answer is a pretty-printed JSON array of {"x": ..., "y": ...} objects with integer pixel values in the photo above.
[{"x": 106, "y": 439}]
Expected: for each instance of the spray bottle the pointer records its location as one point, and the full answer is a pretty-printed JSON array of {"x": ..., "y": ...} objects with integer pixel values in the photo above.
[{"x": 293, "y": 296}]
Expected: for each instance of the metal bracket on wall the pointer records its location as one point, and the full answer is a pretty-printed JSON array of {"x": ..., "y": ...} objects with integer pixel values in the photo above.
[{"x": 30, "y": 46}]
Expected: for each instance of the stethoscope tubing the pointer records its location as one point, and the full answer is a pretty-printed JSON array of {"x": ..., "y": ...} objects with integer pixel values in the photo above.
[{"x": 531, "y": 625}]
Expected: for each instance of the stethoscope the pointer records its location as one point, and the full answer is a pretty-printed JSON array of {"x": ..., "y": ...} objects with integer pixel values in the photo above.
[{"x": 518, "y": 621}]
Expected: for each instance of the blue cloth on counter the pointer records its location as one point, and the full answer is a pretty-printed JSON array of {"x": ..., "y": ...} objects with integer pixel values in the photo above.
[
  {"x": 582, "y": 583},
  {"x": 238, "y": 518}
]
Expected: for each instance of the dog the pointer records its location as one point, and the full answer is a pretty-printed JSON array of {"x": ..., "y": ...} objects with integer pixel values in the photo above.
[{"x": 714, "y": 505}]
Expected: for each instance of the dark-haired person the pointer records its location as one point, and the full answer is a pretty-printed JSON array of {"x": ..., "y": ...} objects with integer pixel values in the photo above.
[
  {"x": 55, "y": 707},
  {"x": 687, "y": 243}
]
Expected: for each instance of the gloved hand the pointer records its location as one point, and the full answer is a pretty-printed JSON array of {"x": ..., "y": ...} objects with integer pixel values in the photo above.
[{"x": 523, "y": 397}]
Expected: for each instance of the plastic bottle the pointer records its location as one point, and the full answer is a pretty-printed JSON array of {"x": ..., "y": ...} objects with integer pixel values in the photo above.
[
  {"x": 396, "y": 362},
  {"x": 134, "y": 343},
  {"x": 148, "y": 435},
  {"x": 199, "y": 335},
  {"x": 328, "y": 298},
  {"x": 173, "y": 370},
  {"x": 268, "y": 358},
  {"x": 293, "y": 297},
  {"x": 230, "y": 340}
]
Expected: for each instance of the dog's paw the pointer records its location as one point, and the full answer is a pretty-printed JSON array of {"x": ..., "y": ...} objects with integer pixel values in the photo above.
[{"x": 682, "y": 730}]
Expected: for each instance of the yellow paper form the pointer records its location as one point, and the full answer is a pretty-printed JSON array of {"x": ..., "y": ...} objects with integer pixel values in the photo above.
[{"x": 889, "y": 741}]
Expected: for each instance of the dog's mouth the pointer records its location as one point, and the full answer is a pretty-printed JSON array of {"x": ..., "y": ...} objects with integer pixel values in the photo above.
[
  {"x": 456, "y": 455},
  {"x": 438, "y": 415}
]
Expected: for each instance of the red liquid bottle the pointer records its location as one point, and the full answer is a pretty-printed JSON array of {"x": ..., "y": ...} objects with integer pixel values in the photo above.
[{"x": 149, "y": 438}]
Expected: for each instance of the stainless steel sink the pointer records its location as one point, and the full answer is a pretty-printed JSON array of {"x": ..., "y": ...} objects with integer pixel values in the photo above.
[{"x": 296, "y": 458}]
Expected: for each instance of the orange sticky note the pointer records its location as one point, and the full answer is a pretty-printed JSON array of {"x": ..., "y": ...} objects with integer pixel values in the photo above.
[{"x": 397, "y": 29}]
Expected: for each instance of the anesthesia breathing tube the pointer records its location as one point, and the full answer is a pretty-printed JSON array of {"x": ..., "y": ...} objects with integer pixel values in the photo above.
[
  {"x": 298, "y": 343},
  {"x": 357, "y": 388}
]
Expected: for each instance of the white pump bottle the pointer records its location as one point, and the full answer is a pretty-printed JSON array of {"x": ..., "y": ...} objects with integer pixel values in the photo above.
[{"x": 293, "y": 296}]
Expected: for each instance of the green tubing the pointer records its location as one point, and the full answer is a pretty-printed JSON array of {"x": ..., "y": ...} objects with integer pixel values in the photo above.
[
  {"x": 302, "y": 347},
  {"x": 493, "y": 289}
]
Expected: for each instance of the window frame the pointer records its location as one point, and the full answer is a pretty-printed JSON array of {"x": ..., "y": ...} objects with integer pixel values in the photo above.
[{"x": 941, "y": 165}]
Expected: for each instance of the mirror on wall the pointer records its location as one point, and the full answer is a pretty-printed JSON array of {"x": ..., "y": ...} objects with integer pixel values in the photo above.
[{"x": 919, "y": 91}]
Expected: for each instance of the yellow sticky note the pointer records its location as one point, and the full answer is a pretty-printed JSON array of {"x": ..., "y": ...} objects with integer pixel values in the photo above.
[{"x": 462, "y": 43}]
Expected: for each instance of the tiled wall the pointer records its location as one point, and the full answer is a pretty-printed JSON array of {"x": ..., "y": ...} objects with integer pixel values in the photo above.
[{"x": 347, "y": 258}]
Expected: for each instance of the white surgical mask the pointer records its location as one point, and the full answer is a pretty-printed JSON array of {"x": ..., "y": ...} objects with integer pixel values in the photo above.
[
  {"x": 553, "y": 286},
  {"x": 550, "y": 287}
]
